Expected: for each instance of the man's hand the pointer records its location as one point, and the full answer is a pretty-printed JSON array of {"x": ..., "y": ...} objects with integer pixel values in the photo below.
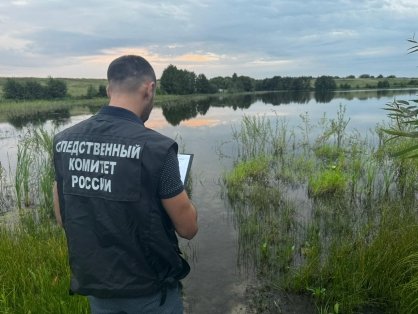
[{"x": 183, "y": 215}]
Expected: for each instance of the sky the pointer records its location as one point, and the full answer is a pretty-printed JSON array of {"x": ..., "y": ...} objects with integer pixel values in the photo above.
[{"x": 258, "y": 38}]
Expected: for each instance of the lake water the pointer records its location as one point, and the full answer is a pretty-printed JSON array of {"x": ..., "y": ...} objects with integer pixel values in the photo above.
[{"x": 204, "y": 128}]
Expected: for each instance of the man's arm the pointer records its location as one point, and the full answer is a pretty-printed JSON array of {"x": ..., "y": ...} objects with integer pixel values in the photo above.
[
  {"x": 183, "y": 214},
  {"x": 57, "y": 210}
]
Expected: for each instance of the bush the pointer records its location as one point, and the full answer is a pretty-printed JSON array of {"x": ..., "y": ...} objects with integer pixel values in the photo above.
[
  {"x": 383, "y": 84},
  {"x": 56, "y": 89},
  {"x": 33, "y": 90},
  {"x": 91, "y": 92},
  {"x": 13, "y": 90},
  {"x": 102, "y": 91}
]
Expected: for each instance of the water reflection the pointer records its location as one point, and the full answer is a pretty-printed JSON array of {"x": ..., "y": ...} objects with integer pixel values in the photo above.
[
  {"x": 57, "y": 116},
  {"x": 175, "y": 113},
  {"x": 178, "y": 112},
  {"x": 277, "y": 99},
  {"x": 324, "y": 97}
]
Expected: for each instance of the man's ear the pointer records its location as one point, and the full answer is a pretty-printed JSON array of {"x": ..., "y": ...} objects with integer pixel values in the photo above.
[
  {"x": 108, "y": 91},
  {"x": 150, "y": 89}
]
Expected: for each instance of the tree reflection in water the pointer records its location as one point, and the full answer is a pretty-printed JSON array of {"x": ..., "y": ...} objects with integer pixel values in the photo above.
[{"x": 57, "y": 116}]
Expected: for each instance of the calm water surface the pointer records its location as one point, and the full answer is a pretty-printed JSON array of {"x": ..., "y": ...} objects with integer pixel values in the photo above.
[{"x": 204, "y": 128}]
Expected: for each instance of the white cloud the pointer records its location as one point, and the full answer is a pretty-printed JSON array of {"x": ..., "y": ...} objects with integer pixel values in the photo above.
[
  {"x": 379, "y": 51},
  {"x": 401, "y": 8},
  {"x": 12, "y": 42},
  {"x": 20, "y": 2}
]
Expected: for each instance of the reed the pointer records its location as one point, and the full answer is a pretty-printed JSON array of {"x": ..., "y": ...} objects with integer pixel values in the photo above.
[
  {"x": 22, "y": 174},
  {"x": 332, "y": 216}
]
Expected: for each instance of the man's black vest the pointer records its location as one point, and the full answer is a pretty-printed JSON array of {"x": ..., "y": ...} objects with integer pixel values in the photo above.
[{"x": 121, "y": 242}]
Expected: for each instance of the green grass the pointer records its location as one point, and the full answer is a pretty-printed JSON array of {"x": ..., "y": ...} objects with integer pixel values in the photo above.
[
  {"x": 34, "y": 272},
  {"x": 329, "y": 182},
  {"x": 332, "y": 216},
  {"x": 364, "y": 83}
]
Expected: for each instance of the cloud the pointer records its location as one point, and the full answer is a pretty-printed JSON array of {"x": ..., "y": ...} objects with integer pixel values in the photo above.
[
  {"x": 20, "y": 2},
  {"x": 256, "y": 38}
]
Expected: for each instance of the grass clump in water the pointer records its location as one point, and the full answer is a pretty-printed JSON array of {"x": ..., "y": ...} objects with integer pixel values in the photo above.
[
  {"x": 247, "y": 171},
  {"x": 327, "y": 183}
]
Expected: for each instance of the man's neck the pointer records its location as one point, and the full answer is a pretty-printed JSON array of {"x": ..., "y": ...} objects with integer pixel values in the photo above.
[{"x": 128, "y": 103}]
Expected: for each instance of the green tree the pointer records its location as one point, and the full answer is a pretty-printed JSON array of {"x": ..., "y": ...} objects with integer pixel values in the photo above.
[
  {"x": 12, "y": 89},
  {"x": 219, "y": 83},
  {"x": 56, "y": 88},
  {"x": 175, "y": 81},
  {"x": 302, "y": 83},
  {"x": 383, "y": 84},
  {"x": 102, "y": 91},
  {"x": 203, "y": 85},
  {"x": 33, "y": 90},
  {"x": 169, "y": 80},
  {"x": 325, "y": 83},
  {"x": 188, "y": 82},
  {"x": 246, "y": 83},
  {"x": 91, "y": 92}
]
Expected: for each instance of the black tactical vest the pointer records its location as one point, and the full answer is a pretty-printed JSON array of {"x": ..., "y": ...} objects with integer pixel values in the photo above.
[{"x": 121, "y": 242}]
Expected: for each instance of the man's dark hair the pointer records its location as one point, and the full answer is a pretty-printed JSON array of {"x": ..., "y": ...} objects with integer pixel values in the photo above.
[{"x": 129, "y": 72}]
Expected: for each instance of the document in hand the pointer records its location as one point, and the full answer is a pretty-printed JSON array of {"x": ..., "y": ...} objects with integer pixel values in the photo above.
[{"x": 185, "y": 162}]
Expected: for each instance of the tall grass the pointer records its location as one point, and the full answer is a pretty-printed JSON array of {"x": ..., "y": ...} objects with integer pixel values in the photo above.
[
  {"x": 34, "y": 273},
  {"x": 331, "y": 215},
  {"x": 34, "y": 174},
  {"x": 22, "y": 175}
]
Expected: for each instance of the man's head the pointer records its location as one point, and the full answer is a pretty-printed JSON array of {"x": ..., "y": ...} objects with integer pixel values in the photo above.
[{"x": 134, "y": 77}]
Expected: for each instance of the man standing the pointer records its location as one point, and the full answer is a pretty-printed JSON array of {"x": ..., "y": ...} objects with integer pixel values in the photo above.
[{"x": 119, "y": 197}]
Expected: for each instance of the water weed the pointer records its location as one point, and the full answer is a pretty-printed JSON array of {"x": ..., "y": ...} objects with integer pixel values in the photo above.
[
  {"x": 329, "y": 182},
  {"x": 334, "y": 215}
]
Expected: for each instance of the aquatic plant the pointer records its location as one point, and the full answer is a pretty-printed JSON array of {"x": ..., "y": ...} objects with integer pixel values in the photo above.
[
  {"x": 22, "y": 174},
  {"x": 333, "y": 215},
  {"x": 330, "y": 182}
]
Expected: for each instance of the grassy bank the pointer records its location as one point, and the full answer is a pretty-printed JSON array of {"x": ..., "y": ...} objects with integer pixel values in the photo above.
[
  {"x": 34, "y": 273},
  {"x": 327, "y": 213},
  {"x": 34, "y": 270},
  {"x": 370, "y": 83},
  {"x": 18, "y": 113}
]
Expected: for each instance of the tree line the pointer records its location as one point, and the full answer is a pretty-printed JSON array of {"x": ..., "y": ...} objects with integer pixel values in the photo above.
[
  {"x": 182, "y": 82},
  {"x": 53, "y": 89},
  {"x": 178, "y": 81},
  {"x": 32, "y": 90}
]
